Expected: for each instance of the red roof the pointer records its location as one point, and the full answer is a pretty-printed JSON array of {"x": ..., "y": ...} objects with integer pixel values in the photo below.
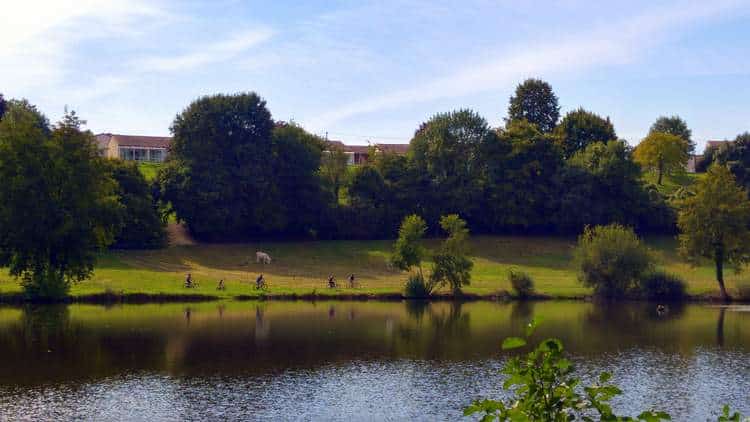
[
  {"x": 134, "y": 141},
  {"x": 394, "y": 148},
  {"x": 716, "y": 144}
]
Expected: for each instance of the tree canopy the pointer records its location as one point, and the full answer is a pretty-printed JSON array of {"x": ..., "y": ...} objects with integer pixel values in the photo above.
[
  {"x": 3, "y": 105},
  {"x": 663, "y": 153},
  {"x": 447, "y": 152},
  {"x": 674, "y": 125},
  {"x": 536, "y": 102},
  {"x": 142, "y": 226},
  {"x": 59, "y": 205},
  {"x": 579, "y": 128},
  {"x": 221, "y": 178},
  {"x": 714, "y": 223}
]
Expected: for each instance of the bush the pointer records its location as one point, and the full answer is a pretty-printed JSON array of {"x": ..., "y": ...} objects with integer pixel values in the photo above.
[
  {"x": 743, "y": 291},
  {"x": 611, "y": 259},
  {"x": 416, "y": 287},
  {"x": 662, "y": 286},
  {"x": 522, "y": 283}
]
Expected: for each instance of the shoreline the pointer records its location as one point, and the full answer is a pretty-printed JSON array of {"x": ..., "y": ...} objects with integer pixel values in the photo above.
[{"x": 147, "y": 298}]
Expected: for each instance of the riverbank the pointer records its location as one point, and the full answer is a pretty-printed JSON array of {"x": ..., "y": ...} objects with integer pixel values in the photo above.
[{"x": 299, "y": 271}]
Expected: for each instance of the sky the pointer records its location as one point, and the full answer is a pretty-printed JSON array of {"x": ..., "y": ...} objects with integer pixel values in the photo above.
[{"x": 362, "y": 71}]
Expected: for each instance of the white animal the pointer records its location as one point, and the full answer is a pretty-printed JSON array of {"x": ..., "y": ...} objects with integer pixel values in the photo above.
[{"x": 262, "y": 257}]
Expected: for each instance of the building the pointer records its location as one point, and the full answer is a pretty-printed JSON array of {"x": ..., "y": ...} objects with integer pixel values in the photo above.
[
  {"x": 134, "y": 148},
  {"x": 359, "y": 154}
]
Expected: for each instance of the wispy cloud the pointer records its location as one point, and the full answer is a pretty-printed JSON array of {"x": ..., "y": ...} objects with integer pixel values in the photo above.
[
  {"x": 210, "y": 53},
  {"x": 37, "y": 36},
  {"x": 616, "y": 43}
]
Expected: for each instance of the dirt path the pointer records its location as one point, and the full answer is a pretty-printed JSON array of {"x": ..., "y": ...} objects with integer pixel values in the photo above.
[{"x": 178, "y": 235}]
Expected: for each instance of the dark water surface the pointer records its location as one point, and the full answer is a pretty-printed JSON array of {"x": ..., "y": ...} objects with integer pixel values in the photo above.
[{"x": 351, "y": 360}]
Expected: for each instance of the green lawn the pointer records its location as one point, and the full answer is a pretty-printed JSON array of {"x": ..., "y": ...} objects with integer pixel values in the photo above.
[
  {"x": 302, "y": 268},
  {"x": 149, "y": 170},
  {"x": 670, "y": 183}
]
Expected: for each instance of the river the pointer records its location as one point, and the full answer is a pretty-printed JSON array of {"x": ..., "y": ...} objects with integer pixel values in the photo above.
[{"x": 352, "y": 360}]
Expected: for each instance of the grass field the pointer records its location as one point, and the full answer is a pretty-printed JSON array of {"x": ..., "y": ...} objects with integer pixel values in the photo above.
[
  {"x": 149, "y": 170},
  {"x": 302, "y": 267}
]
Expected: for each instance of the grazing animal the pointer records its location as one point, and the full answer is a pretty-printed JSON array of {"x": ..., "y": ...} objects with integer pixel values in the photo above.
[{"x": 262, "y": 257}]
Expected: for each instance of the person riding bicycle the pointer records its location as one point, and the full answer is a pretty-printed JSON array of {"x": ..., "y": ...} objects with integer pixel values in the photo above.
[
  {"x": 331, "y": 282},
  {"x": 260, "y": 282}
]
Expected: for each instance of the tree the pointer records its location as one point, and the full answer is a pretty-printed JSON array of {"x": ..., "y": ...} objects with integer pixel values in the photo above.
[
  {"x": 142, "y": 225},
  {"x": 220, "y": 180},
  {"x": 735, "y": 155},
  {"x": 296, "y": 163},
  {"x": 3, "y": 106},
  {"x": 663, "y": 153},
  {"x": 714, "y": 223},
  {"x": 535, "y": 102},
  {"x": 447, "y": 153},
  {"x": 58, "y": 206},
  {"x": 452, "y": 265},
  {"x": 334, "y": 168},
  {"x": 579, "y": 128},
  {"x": 674, "y": 125},
  {"x": 408, "y": 251},
  {"x": 611, "y": 259},
  {"x": 519, "y": 181}
]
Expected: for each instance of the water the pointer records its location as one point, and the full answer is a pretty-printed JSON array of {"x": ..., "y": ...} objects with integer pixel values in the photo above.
[{"x": 351, "y": 360}]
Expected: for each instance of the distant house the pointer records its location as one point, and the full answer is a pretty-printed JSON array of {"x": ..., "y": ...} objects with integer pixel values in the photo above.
[
  {"x": 359, "y": 154},
  {"x": 134, "y": 148}
]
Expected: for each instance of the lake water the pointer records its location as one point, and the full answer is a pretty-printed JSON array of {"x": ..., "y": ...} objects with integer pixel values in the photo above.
[{"x": 351, "y": 360}]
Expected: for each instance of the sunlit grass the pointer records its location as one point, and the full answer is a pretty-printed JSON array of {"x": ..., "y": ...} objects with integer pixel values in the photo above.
[{"x": 302, "y": 268}]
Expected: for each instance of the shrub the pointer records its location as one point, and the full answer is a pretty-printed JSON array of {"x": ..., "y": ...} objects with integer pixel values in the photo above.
[
  {"x": 662, "y": 286},
  {"x": 416, "y": 287},
  {"x": 743, "y": 291},
  {"x": 545, "y": 387},
  {"x": 452, "y": 265},
  {"x": 522, "y": 283},
  {"x": 611, "y": 259}
]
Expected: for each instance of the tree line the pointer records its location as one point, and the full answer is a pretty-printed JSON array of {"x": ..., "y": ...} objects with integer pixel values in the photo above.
[{"x": 235, "y": 173}]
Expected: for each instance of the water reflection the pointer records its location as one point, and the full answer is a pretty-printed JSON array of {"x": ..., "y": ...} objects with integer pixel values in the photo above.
[{"x": 54, "y": 346}]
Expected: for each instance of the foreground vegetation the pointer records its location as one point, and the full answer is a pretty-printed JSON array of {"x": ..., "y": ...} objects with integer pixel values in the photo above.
[{"x": 302, "y": 267}]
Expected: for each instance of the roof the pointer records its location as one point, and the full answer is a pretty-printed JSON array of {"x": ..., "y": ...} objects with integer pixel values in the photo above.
[
  {"x": 364, "y": 149},
  {"x": 394, "y": 148},
  {"x": 134, "y": 141},
  {"x": 717, "y": 144}
]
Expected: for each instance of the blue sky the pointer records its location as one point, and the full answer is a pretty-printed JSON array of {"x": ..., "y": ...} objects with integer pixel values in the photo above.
[{"x": 374, "y": 70}]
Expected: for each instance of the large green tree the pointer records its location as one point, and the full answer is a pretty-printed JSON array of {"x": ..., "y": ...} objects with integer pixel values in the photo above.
[
  {"x": 521, "y": 166},
  {"x": 296, "y": 161},
  {"x": 601, "y": 184},
  {"x": 663, "y": 153},
  {"x": 58, "y": 203},
  {"x": 674, "y": 125},
  {"x": 220, "y": 179},
  {"x": 579, "y": 128},
  {"x": 142, "y": 225},
  {"x": 535, "y": 102},
  {"x": 447, "y": 153},
  {"x": 714, "y": 223}
]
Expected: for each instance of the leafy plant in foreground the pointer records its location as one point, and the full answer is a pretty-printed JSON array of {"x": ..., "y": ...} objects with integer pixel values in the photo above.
[{"x": 546, "y": 389}]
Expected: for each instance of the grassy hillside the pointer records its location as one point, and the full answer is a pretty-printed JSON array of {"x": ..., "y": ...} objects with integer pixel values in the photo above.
[
  {"x": 302, "y": 267},
  {"x": 671, "y": 183},
  {"x": 149, "y": 170}
]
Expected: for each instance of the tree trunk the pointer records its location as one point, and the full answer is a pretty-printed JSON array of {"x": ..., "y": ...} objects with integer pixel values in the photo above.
[
  {"x": 720, "y": 273},
  {"x": 660, "y": 172},
  {"x": 720, "y": 327}
]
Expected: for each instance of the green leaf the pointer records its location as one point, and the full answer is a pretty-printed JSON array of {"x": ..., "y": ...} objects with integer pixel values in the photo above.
[{"x": 513, "y": 343}]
